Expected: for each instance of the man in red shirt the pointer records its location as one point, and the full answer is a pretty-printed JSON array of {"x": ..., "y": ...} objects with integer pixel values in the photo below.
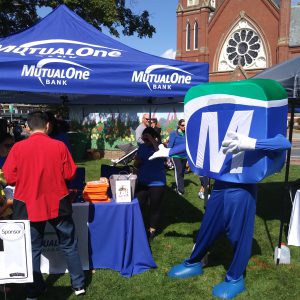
[{"x": 39, "y": 167}]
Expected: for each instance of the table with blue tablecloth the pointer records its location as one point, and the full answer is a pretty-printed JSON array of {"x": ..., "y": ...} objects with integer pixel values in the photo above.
[{"x": 116, "y": 239}]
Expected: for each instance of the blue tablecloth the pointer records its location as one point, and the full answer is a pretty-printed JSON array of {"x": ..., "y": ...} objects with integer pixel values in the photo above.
[{"x": 118, "y": 239}]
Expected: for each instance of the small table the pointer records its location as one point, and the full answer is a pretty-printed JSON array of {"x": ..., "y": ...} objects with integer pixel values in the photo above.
[
  {"x": 294, "y": 229},
  {"x": 110, "y": 236},
  {"x": 118, "y": 239}
]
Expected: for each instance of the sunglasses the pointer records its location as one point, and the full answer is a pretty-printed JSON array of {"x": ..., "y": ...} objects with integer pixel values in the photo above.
[
  {"x": 182, "y": 125},
  {"x": 146, "y": 119}
]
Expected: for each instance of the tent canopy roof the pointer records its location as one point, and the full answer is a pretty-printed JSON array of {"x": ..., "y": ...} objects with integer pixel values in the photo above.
[
  {"x": 286, "y": 73},
  {"x": 63, "y": 54}
]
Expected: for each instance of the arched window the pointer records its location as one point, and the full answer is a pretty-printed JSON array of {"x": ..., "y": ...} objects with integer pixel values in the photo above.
[
  {"x": 192, "y": 2},
  {"x": 188, "y": 36},
  {"x": 243, "y": 46},
  {"x": 196, "y": 35}
]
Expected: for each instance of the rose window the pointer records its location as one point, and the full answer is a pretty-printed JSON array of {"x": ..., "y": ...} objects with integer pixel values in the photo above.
[{"x": 243, "y": 46}]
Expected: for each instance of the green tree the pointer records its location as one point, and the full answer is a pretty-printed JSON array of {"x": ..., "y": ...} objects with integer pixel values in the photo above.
[
  {"x": 114, "y": 14},
  {"x": 15, "y": 16}
]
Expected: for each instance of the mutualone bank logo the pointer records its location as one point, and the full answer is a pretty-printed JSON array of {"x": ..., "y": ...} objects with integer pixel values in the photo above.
[
  {"x": 162, "y": 77},
  {"x": 58, "y": 65}
]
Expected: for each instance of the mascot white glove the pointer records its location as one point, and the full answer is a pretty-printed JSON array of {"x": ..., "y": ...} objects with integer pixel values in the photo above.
[
  {"x": 235, "y": 142},
  {"x": 162, "y": 152}
]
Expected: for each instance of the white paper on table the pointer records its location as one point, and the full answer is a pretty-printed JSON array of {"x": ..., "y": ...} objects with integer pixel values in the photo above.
[{"x": 123, "y": 191}]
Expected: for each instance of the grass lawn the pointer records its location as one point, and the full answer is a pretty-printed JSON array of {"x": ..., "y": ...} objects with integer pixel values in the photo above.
[{"x": 181, "y": 219}]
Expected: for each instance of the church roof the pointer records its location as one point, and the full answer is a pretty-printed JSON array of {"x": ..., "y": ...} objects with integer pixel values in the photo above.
[{"x": 295, "y": 26}]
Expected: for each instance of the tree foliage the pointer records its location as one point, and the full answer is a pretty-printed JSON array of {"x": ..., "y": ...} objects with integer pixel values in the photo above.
[{"x": 113, "y": 14}]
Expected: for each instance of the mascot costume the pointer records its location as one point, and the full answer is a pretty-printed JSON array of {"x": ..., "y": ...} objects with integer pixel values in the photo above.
[{"x": 235, "y": 134}]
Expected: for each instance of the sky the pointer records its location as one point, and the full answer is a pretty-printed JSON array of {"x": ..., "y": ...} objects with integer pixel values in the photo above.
[{"x": 163, "y": 18}]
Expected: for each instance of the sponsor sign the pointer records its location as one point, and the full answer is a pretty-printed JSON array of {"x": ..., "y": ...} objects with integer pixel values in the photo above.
[
  {"x": 15, "y": 252},
  {"x": 53, "y": 260}
]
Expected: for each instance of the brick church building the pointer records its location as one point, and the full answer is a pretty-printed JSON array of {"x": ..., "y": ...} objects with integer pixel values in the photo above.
[{"x": 238, "y": 38}]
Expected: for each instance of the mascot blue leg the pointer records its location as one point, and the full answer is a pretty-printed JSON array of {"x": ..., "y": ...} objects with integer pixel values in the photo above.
[{"x": 230, "y": 210}]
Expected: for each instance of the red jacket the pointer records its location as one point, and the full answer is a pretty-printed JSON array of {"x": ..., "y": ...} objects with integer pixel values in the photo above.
[{"x": 39, "y": 167}]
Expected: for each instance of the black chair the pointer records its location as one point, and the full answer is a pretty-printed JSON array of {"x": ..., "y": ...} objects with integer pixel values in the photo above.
[
  {"x": 76, "y": 185},
  {"x": 78, "y": 182},
  {"x": 107, "y": 170}
]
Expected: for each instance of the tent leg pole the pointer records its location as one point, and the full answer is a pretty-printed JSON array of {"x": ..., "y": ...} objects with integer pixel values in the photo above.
[
  {"x": 150, "y": 112},
  {"x": 286, "y": 181}
]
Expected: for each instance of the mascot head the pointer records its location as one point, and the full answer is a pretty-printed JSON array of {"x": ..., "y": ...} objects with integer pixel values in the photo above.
[{"x": 256, "y": 108}]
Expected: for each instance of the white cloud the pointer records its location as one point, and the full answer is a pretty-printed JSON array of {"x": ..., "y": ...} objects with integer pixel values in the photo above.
[{"x": 170, "y": 53}]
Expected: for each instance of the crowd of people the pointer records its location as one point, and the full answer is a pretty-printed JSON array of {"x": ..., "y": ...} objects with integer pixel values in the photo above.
[
  {"x": 41, "y": 194},
  {"x": 52, "y": 166}
]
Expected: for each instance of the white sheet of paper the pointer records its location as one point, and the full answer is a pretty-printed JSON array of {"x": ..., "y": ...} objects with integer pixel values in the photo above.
[{"x": 123, "y": 191}]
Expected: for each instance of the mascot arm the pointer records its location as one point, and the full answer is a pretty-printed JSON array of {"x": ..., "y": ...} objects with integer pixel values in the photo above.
[
  {"x": 168, "y": 152},
  {"x": 277, "y": 143},
  {"x": 235, "y": 142}
]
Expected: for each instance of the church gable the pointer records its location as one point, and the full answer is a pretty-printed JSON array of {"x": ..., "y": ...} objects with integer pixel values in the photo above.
[
  {"x": 244, "y": 34},
  {"x": 237, "y": 36}
]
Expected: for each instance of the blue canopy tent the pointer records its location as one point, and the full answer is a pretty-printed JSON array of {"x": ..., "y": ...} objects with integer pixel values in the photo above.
[{"x": 64, "y": 57}]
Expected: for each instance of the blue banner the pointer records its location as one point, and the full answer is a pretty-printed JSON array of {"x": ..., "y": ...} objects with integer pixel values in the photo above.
[{"x": 64, "y": 54}]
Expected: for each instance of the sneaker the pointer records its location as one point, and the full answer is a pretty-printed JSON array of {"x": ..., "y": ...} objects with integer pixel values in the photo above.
[
  {"x": 179, "y": 193},
  {"x": 201, "y": 195},
  {"x": 79, "y": 291}
]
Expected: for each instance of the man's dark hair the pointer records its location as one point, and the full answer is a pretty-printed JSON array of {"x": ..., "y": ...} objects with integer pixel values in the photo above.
[
  {"x": 37, "y": 120},
  {"x": 151, "y": 131}
]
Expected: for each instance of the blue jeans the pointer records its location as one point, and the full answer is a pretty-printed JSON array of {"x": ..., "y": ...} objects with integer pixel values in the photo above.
[{"x": 65, "y": 230}]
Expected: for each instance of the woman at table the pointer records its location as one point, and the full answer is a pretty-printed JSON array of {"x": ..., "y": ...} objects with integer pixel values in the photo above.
[{"x": 151, "y": 181}]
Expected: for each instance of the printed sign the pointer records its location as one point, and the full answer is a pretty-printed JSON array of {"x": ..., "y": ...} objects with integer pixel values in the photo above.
[
  {"x": 123, "y": 191},
  {"x": 15, "y": 252},
  {"x": 52, "y": 260}
]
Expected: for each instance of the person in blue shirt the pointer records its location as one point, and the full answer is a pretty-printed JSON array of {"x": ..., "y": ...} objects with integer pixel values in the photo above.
[
  {"x": 151, "y": 181},
  {"x": 177, "y": 137}
]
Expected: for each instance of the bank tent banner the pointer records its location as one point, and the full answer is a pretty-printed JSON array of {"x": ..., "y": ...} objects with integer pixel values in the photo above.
[{"x": 63, "y": 54}]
